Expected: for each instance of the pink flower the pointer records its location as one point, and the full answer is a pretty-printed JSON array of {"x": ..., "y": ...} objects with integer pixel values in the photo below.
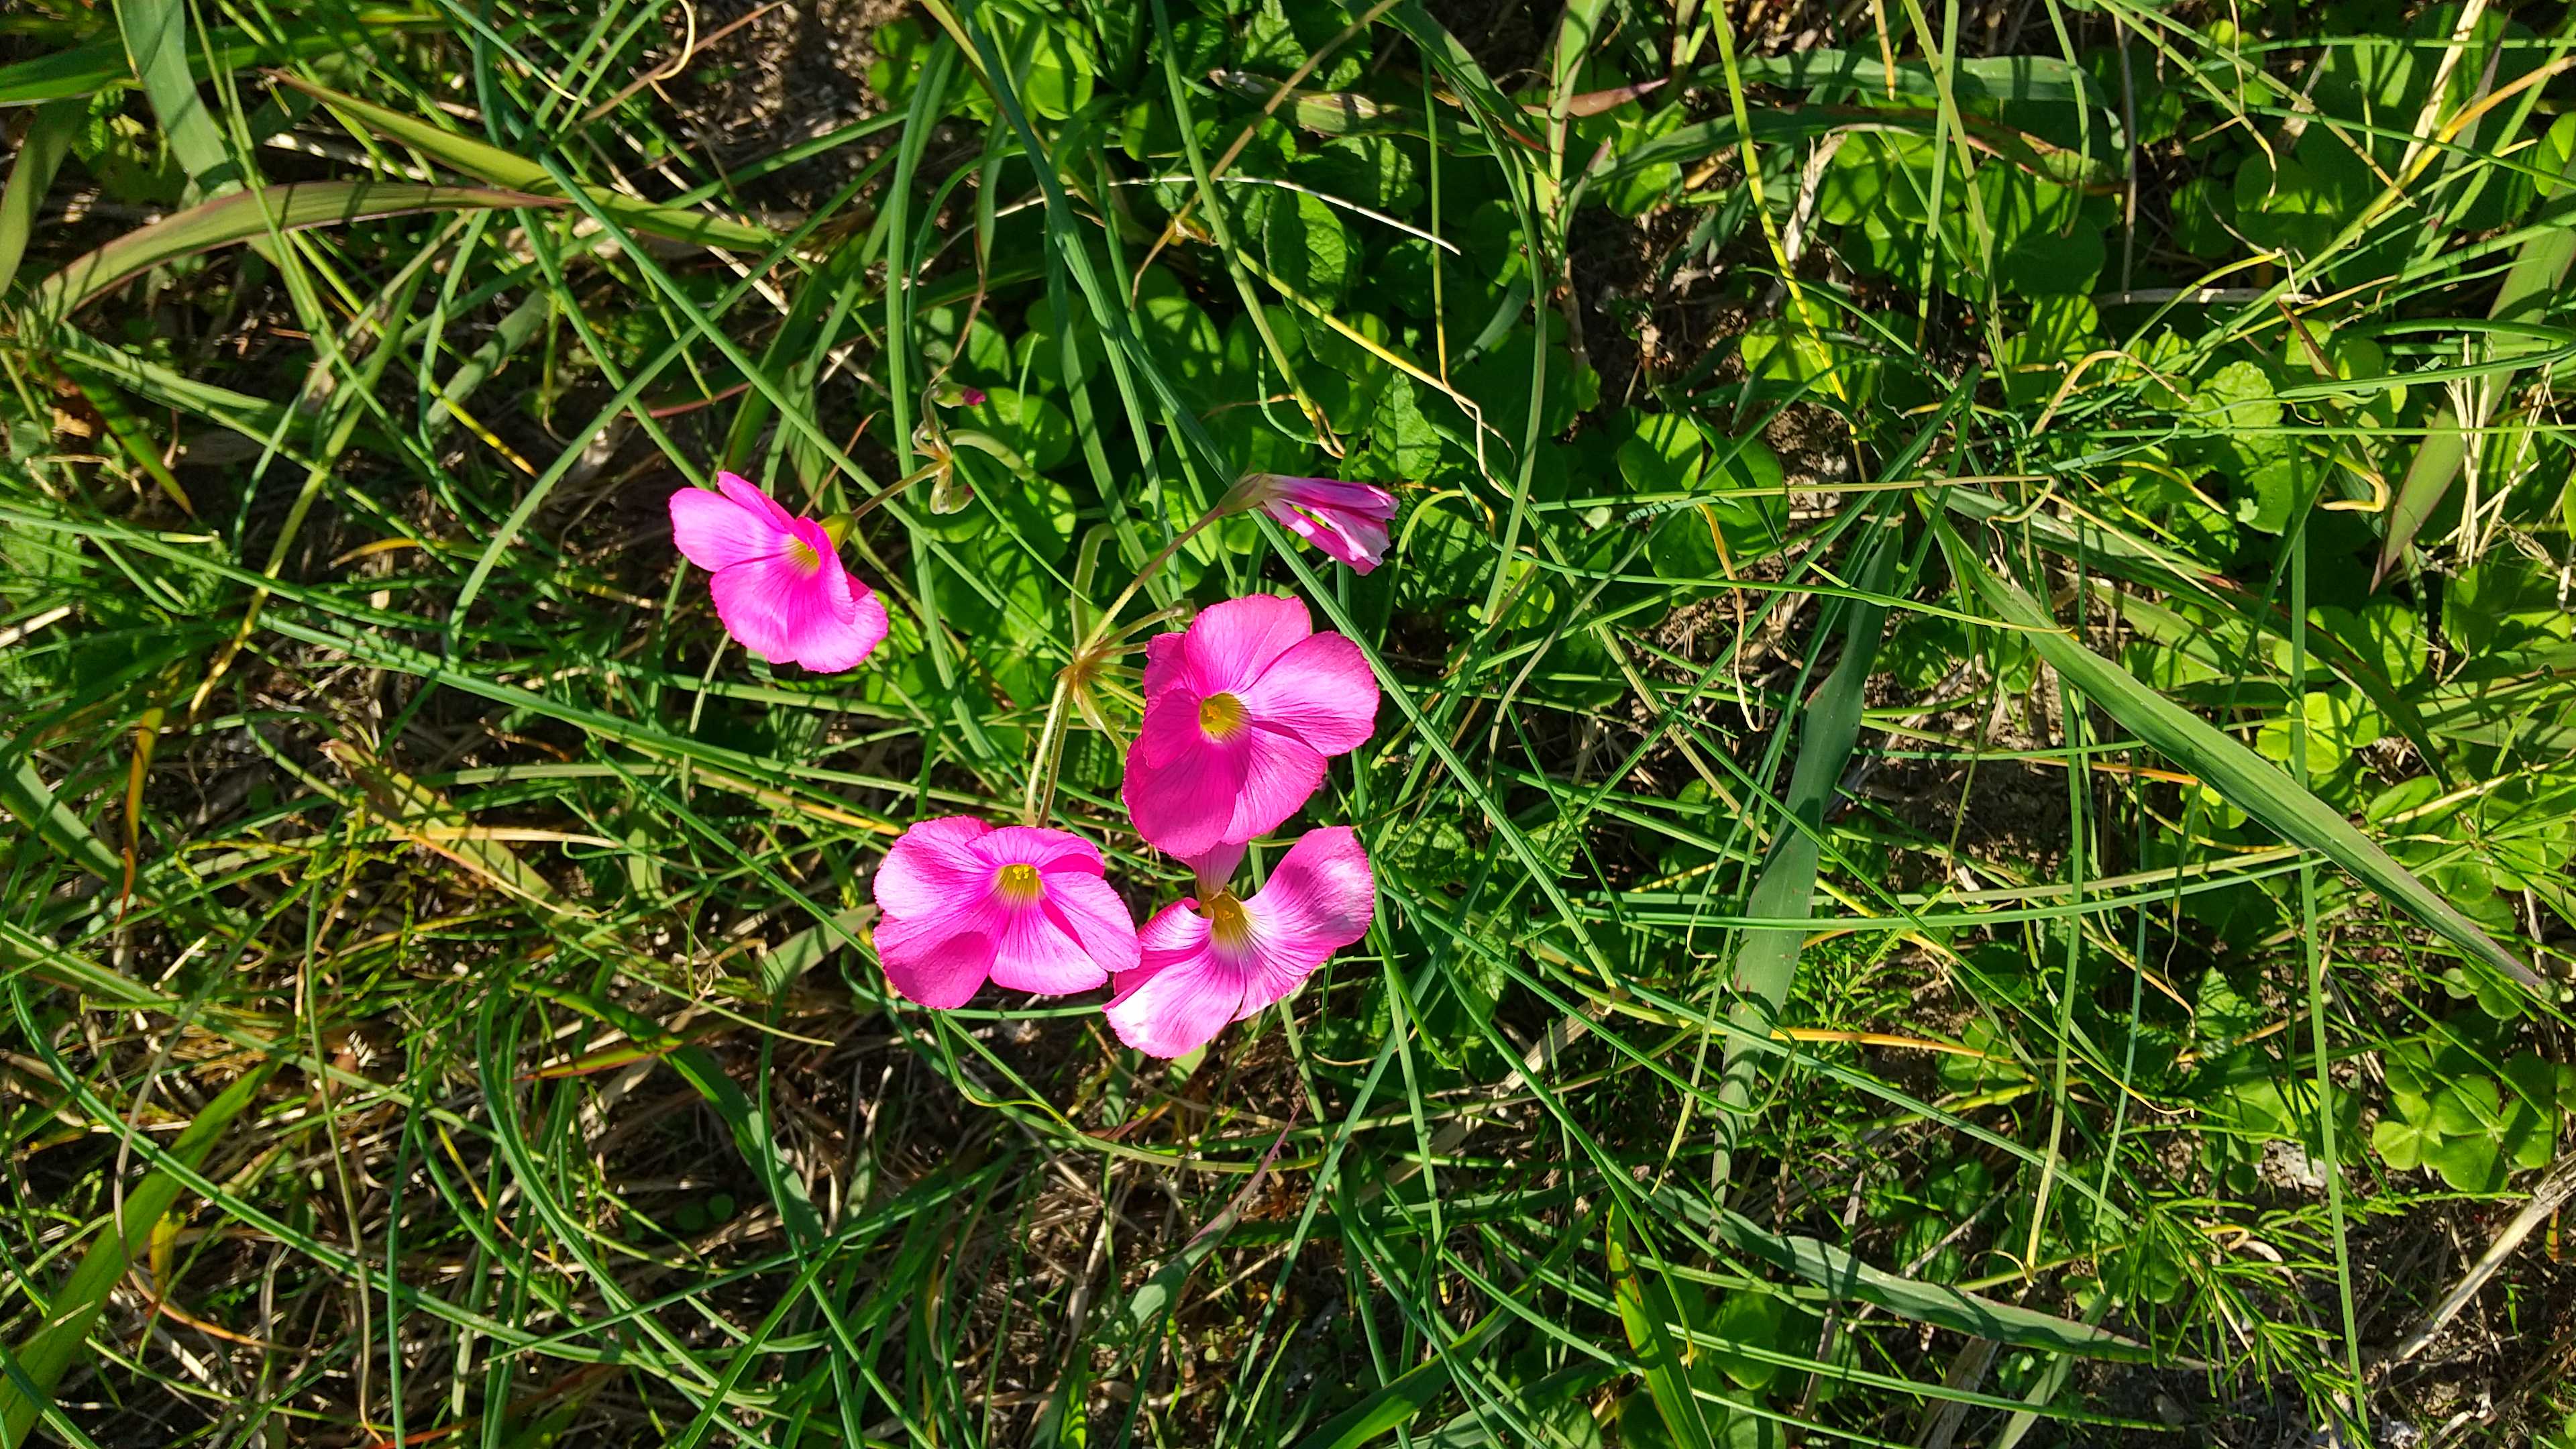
[
  {"x": 1024, "y": 906},
  {"x": 1204, "y": 968},
  {"x": 1346, "y": 520},
  {"x": 1240, "y": 712},
  {"x": 778, "y": 580}
]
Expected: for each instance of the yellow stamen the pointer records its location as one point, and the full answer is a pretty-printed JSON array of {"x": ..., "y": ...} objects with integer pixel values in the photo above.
[
  {"x": 804, "y": 555},
  {"x": 1019, "y": 884},
  {"x": 1227, "y": 924},
  {"x": 1220, "y": 715}
]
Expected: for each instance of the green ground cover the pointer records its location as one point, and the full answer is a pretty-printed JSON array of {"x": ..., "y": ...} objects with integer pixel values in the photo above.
[{"x": 1969, "y": 815}]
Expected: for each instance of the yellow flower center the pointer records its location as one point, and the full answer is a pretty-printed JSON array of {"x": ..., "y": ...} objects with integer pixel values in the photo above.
[
  {"x": 803, "y": 555},
  {"x": 1220, "y": 715},
  {"x": 1019, "y": 884},
  {"x": 1227, "y": 923}
]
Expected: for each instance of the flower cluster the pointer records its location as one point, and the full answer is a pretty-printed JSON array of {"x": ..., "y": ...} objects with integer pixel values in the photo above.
[{"x": 1242, "y": 709}]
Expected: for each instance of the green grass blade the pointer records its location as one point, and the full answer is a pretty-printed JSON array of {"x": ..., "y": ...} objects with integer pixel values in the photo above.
[
  {"x": 491, "y": 163},
  {"x": 93, "y": 65},
  {"x": 1666, "y": 1379},
  {"x": 2538, "y": 270},
  {"x": 156, "y": 41},
  {"x": 1766, "y": 965},
  {"x": 57, "y": 1343},
  {"x": 40, "y": 155},
  {"x": 1846, "y": 1276},
  {"x": 24, "y": 794},
  {"x": 2243, "y": 778},
  {"x": 243, "y": 216},
  {"x": 1401, "y": 1401}
]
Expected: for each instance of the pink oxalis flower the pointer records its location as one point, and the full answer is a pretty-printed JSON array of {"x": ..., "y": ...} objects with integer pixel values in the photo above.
[
  {"x": 1023, "y": 906},
  {"x": 1346, "y": 520},
  {"x": 1240, "y": 712},
  {"x": 1206, "y": 966},
  {"x": 778, "y": 580}
]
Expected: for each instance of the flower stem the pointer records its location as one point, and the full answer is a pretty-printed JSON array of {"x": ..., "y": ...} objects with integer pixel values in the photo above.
[
  {"x": 869, "y": 503},
  {"x": 1153, "y": 566},
  {"x": 1039, "y": 803}
]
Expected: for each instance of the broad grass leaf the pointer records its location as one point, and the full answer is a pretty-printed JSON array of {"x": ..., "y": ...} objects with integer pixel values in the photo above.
[
  {"x": 2243, "y": 777},
  {"x": 1034, "y": 426},
  {"x": 2400, "y": 1142},
  {"x": 1375, "y": 171},
  {"x": 1748, "y": 1318},
  {"x": 1184, "y": 341},
  {"x": 2501, "y": 603},
  {"x": 2301, "y": 205},
  {"x": 2048, "y": 239},
  {"x": 2197, "y": 214},
  {"x": 1402, "y": 433},
  {"x": 1659, "y": 452},
  {"x": 243, "y": 215},
  {"x": 504, "y": 168},
  {"x": 1307, "y": 246},
  {"x": 60, "y": 1337},
  {"x": 25, "y": 795},
  {"x": 1858, "y": 183}
]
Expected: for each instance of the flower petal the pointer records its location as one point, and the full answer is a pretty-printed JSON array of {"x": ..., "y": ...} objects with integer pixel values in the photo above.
[
  {"x": 1090, "y": 911},
  {"x": 1320, "y": 692},
  {"x": 1319, "y": 900},
  {"x": 940, "y": 959},
  {"x": 788, "y": 609},
  {"x": 1181, "y": 785},
  {"x": 1281, "y": 775},
  {"x": 718, "y": 533},
  {"x": 748, "y": 496},
  {"x": 844, "y": 642},
  {"x": 1048, "y": 850},
  {"x": 1036, "y": 953},
  {"x": 1352, "y": 540},
  {"x": 1189, "y": 794},
  {"x": 1164, "y": 664},
  {"x": 934, "y": 869},
  {"x": 1182, "y": 995},
  {"x": 1229, "y": 644},
  {"x": 1215, "y": 865},
  {"x": 759, "y": 599}
]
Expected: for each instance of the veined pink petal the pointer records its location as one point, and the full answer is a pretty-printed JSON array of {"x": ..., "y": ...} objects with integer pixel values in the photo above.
[
  {"x": 767, "y": 604},
  {"x": 943, "y": 958},
  {"x": 715, "y": 532},
  {"x": 1354, "y": 541},
  {"x": 1191, "y": 979},
  {"x": 799, "y": 605},
  {"x": 1229, "y": 644},
  {"x": 1345, "y": 520},
  {"x": 748, "y": 496},
  {"x": 1164, "y": 663},
  {"x": 933, "y": 865},
  {"x": 1280, "y": 775},
  {"x": 1181, "y": 786},
  {"x": 1188, "y": 794},
  {"x": 846, "y": 645},
  {"x": 1048, "y": 850},
  {"x": 1181, "y": 995},
  {"x": 777, "y": 579},
  {"x": 953, "y": 916},
  {"x": 1240, "y": 714},
  {"x": 1036, "y": 952},
  {"x": 1320, "y": 692},
  {"x": 1215, "y": 865},
  {"x": 1319, "y": 900},
  {"x": 1090, "y": 911}
]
